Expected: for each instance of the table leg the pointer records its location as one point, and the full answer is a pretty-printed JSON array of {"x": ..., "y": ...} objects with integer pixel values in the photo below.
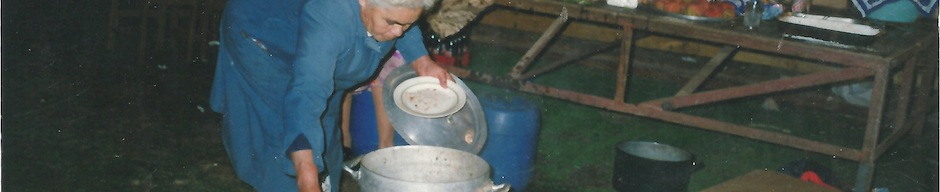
[
  {"x": 904, "y": 94},
  {"x": 924, "y": 91},
  {"x": 623, "y": 68},
  {"x": 870, "y": 142},
  {"x": 866, "y": 170}
]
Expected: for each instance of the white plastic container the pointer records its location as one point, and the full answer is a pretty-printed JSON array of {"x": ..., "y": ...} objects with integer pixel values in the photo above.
[{"x": 624, "y": 3}]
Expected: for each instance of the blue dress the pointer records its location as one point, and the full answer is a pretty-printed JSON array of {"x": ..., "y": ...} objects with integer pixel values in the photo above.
[{"x": 282, "y": 71}]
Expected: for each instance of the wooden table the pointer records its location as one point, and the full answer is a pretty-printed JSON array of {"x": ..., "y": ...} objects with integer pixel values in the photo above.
[{"x": 895, "y": 53}]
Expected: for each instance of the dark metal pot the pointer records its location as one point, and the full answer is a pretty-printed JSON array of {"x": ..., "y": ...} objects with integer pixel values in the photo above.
[{"x": 651, "y": 166}]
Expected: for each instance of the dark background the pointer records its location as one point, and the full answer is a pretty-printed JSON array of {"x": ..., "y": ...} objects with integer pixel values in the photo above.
[{"x": 80, "y": 116}]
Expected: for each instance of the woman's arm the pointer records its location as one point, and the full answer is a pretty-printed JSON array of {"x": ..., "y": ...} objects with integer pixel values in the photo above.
[{"x": 308, "y": 179}]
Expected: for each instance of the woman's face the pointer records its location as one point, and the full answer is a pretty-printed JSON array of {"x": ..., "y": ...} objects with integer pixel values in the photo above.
[{"x": 387, "y": 23}]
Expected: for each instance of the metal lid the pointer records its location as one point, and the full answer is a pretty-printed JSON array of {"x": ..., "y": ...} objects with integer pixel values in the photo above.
[{"x": 464, "y": 130}]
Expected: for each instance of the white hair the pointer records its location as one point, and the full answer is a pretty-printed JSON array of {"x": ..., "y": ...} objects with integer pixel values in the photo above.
[{"x": 426, "y": 4}]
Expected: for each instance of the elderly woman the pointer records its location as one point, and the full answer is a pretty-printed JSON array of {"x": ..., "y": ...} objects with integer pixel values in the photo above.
[{"x": 282, "y": 70}]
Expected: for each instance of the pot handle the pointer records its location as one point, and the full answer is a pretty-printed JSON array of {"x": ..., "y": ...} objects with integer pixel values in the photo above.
[
  {"x": 348, "y": 166},
  {"x": 696, "y": 166},
  {"x": 499, "y": 188}
]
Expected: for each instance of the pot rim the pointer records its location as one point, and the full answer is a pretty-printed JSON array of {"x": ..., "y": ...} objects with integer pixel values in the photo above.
[
  {"x": 654, "y": 151},
  {"x": 476, "y": 164}
]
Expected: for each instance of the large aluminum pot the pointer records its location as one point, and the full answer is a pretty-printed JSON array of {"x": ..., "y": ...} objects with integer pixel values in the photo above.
[{"x": 422, "y": 168}]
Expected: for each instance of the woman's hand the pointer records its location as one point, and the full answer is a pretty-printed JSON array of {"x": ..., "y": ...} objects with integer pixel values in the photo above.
[
  {"x": 307, "y": 173},
  {"x": 424, "y": 66}
]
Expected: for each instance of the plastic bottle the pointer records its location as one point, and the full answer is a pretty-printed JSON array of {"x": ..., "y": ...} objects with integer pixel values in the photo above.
[{"x": 753, "y": 13}]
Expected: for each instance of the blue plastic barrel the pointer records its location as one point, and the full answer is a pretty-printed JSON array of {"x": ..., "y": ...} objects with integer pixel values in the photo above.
[
  {"x": 513, "y": 126},
  {"x": 362, "y": 125}
]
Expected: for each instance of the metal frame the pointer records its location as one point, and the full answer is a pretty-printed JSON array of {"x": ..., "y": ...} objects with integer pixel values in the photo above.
[{"x": 855, "y": 65}]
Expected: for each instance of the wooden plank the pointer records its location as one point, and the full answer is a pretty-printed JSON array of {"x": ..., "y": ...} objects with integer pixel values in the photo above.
[
  {"x": 844, "y": 57},
  {"x": 924, "y": 92},
  {"x": 706, "y": 71},
  {"x": 537, "y": 23},
  {"x": 540, "y": 44},
  {"x": 623, "y": 68},
  {"x": 704, "y": 50},
  {"x": 773, "y": 86},
  {"x": 566, "y": 61},
  {"x": 904, "y": 92},
  {"x": 595, "y": 32}
]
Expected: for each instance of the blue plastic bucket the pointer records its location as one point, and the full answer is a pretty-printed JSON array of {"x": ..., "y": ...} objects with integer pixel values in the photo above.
[
  {"x": 513, "y": 126},
  {"x": 362, "y": 125},
  {"x": 901, "y": 11}
]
